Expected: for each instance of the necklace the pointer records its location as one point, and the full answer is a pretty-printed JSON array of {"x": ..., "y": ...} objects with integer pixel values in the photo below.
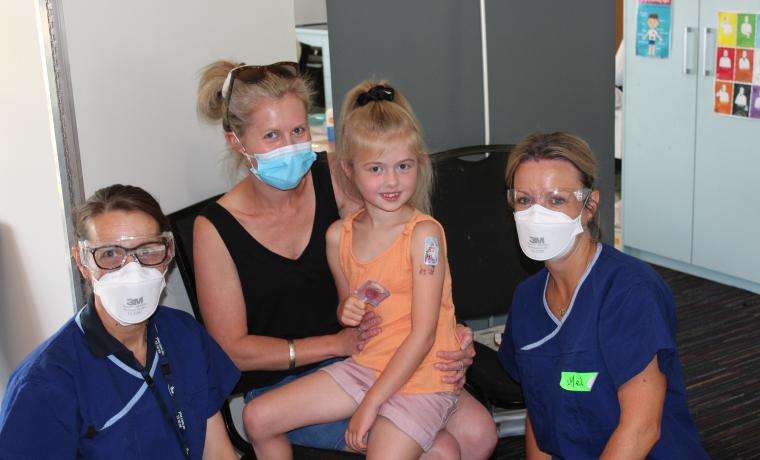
[{"x": 589, "y": 257}]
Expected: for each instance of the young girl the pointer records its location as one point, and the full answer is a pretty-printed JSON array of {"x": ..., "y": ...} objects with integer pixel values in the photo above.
[{"x": 391, "y": 387}]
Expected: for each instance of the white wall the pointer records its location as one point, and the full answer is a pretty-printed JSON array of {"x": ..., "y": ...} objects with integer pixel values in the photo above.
[
  {"x": 134, "y": 71},
  {"x": 310, "y": 11},
  {"x": 36, "y": 296}
]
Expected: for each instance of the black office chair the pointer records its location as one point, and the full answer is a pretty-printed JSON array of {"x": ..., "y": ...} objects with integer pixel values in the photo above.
[
  {"x": 182, "y": 226},
  {"x": 485, "y": 259},
  {"x": 486, "y": 265}
]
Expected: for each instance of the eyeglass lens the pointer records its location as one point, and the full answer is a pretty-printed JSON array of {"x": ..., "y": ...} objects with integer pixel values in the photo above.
[
  {"x": 557, "y": 200},
  {"x": 148, "y": 254}
]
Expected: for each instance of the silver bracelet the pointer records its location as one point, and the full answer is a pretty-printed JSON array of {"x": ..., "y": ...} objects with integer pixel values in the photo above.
[{"x": 292, "y": 353}]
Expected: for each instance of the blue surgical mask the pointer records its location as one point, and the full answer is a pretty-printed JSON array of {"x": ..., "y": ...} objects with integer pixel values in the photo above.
[{"x": 284, "y": 167}]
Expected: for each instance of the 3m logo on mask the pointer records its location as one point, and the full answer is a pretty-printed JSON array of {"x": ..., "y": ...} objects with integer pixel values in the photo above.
[
  {"x": 134, "y": 302},
  {"x": 537, "y": 240}
]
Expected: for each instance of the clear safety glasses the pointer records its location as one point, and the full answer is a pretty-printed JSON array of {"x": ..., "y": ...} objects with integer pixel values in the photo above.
[
  {"x": 149, "y": 251},
  {"x": 563, "y": 200},
  {"x": 253, "y": 74}
]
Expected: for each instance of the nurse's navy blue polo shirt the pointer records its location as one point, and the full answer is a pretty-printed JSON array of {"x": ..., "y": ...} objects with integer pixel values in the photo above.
[
  {"x": 622, "y": 314},
  {"x": 82, "y": 394}
]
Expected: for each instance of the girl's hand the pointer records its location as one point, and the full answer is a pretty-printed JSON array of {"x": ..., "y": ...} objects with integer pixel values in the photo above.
[
  {"x": 456, "y": 362},
  {"x": 359, "y": 425},
  {"x": 351, "y": 311}
]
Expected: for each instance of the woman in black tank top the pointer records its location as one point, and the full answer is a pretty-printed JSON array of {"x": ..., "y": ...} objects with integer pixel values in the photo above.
[
  {"x": 263, "y": 284},
  {"x": 287, "y": 298}
]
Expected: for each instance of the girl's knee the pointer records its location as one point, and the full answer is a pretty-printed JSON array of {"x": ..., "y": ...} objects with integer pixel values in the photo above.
[
  {"x": 479, "y": 438},
  {"x": 476, "y": 434},
  {"x": 445, "y": 447}
]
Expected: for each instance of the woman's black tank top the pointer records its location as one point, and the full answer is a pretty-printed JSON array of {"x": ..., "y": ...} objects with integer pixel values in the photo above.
[{"x": 285, "y": 298}]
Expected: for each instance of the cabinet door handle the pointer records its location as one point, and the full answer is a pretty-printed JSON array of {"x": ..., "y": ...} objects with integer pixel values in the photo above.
[
  {"x": 705, "y": 58},
  {"x": 686, "y": 31}
]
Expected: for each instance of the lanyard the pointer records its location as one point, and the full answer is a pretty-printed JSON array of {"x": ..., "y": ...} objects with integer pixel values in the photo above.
[
  {"x": 173, "y": 415},
  {"x": 177, "y": 421}
]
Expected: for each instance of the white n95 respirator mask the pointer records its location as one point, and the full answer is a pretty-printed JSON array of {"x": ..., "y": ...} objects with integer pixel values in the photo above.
[
  {"x": 545, "y": 234},
  {"x": 130, "y": 294}
]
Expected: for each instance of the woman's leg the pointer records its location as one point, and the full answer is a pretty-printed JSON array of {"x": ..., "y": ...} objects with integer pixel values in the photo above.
[
  {"x": 330, "y": 436},
  {"x": 387, "y": 441},
  {"x": 473, "y": 428},
  {"x": 315, "y": 398}
]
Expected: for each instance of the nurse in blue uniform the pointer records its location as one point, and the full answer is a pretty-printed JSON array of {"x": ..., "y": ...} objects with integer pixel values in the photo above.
[
  {"x": 591, "y": 338},
  {"x": 124, "y": 378}
]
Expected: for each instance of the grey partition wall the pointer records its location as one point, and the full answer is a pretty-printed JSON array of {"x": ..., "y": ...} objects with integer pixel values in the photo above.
[
  {"x": 550, "y": 67},
  {"x": 428, "y": 49}
]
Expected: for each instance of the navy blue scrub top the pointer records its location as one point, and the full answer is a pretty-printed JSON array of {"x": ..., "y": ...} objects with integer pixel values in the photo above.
[
  {"x": 622, "y": 314},
  {"x": 82, "y": 394}
]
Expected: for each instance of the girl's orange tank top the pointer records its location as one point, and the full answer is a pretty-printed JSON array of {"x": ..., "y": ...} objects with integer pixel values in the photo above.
[{"x": 393, "y": 269}]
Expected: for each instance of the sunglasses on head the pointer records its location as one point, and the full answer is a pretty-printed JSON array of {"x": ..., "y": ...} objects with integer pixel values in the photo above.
[{"x": 253, "y": 74}]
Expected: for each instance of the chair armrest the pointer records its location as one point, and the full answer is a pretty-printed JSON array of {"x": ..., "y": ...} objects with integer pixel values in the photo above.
[{"x": 488, "y": 382}]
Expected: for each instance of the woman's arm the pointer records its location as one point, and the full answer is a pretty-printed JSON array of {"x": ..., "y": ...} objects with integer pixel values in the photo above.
[
  {"x": 641, "y": 404},
  {"x": 346, "y": 205},
  {"x": 220, "y": 297},
  {"x": 426, "y": 304},
  {"x": 532, "y": 452},
  {"x": 218, "y": 445}
]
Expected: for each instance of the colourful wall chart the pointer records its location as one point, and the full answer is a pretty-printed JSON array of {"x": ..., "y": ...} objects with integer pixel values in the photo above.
[
  {"x": 653, "y": 28},
  {"x": 737, "y": 65}
]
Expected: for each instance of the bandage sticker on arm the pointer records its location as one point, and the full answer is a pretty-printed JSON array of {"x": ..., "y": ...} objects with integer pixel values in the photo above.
[{"x": 432, "y": 249}]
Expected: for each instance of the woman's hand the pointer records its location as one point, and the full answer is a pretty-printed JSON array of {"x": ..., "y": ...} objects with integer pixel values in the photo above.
[
  {"x": 351, "y": 311},
  {"x": 359, "y": 425},
  {"x": 370, "y": 325},
  {"x": 348, "y": 341},
  {"x": 351, "y": 340},
  {"x": 456, "y": 362}
]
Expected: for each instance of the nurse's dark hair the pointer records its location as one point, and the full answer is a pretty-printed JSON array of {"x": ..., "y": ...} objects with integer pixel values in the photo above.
[
  {"x": 559, "y": 146},
  {"x": 117, "y": 197}
]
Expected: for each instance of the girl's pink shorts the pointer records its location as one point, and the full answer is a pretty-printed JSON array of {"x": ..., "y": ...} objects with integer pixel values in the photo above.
[{"x": 421, "y": 416}]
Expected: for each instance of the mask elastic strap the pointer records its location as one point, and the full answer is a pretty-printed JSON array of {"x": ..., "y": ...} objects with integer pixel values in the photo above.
[
  {"x": 244, "y": 152},
  {"x": 163, "y": 274},
  {"x": 240, "y": 143},
  {"x": 585, "y": 202}
]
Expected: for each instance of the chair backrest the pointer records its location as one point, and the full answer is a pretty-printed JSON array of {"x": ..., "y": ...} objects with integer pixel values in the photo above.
[
  {"x": 182, "y": 222},
  {"x": 470, "y": 202}
]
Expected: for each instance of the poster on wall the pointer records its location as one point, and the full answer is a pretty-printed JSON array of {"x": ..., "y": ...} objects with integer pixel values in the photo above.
[
  {"x": 737, "y": 65},
  {"x": 653, "y": 28}
]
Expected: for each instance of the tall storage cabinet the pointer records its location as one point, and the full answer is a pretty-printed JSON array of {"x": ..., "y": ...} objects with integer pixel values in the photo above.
[{"x": 690, "y": 175}]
